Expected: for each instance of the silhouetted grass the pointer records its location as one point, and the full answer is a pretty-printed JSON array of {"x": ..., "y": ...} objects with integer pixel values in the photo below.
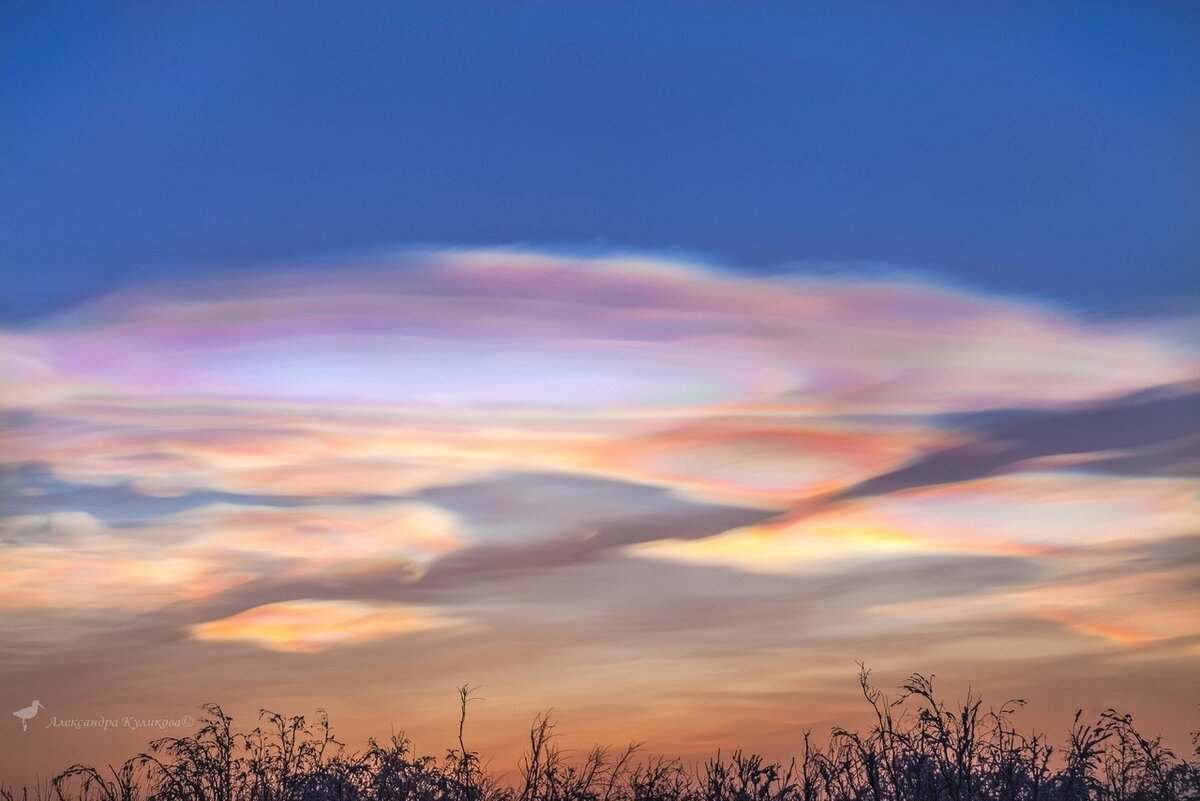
[{"x": 917, "y": 749}]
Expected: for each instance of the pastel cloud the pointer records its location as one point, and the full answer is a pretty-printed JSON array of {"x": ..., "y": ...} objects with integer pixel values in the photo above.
[
  {"x": 1128, "y": 607},
  {"x": 308, "y": 451},
  {"x": 199, "y": 553},
  {"x": 603, "y": 469},
  {"x": 1023, "y": 514},
  {"x": 767, "y": 460},
  {"x": 511, "y": 329},
  {"x": 308, "y": 626},
  {"x": 1080, "y": 531},
  {"x": 425, "y": 369}
]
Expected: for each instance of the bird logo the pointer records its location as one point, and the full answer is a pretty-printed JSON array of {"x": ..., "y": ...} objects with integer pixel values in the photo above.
[{"x": 28, "y": 713}]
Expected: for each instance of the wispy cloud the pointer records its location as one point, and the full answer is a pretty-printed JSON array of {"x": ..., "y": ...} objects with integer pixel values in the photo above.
[
  {"x": 72, "y": 559},
  {"x": 308, "y": 626},
  {"x": 568, "y": 468}
]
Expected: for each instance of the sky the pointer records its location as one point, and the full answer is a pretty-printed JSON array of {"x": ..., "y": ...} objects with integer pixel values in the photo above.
[{"x": 654, "y": 363}]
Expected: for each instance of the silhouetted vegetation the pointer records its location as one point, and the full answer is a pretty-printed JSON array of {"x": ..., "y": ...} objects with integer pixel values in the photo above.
[{"x": 916, "y": 749}]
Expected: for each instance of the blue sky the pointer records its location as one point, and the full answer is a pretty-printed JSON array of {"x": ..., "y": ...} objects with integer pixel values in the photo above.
[{"x": 1047, "y": 150}]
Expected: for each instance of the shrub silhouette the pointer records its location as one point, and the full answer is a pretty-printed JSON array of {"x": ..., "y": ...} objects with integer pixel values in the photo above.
[{"x": 916, "y": 749}]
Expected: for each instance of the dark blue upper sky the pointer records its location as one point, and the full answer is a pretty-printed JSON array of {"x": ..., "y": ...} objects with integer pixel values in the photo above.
[{"x": 1049, "y": 149}]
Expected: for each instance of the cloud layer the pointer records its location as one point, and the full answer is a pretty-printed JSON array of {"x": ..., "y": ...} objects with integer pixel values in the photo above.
[{"x": 627, "y": 457}]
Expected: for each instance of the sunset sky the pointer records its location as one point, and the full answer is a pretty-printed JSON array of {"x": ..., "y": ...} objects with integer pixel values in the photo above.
[{"x": 654, "y": 363}]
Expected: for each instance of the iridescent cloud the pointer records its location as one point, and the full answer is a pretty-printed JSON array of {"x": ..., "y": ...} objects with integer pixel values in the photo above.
[
  {"x": 308, "y": 626},
  {"x": 579, "y": 473},
  {"x": 1076, "y": 529},
  {"x": 512, "y": 330},
  {"x": 71, "y": 559}
]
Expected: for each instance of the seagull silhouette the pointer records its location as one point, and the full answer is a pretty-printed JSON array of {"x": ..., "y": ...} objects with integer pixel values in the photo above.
[{"x": 28, "y": 713}]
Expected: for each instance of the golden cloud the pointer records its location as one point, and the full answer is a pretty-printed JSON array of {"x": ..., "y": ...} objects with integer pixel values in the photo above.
[{"x": 309, "y": 626}]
